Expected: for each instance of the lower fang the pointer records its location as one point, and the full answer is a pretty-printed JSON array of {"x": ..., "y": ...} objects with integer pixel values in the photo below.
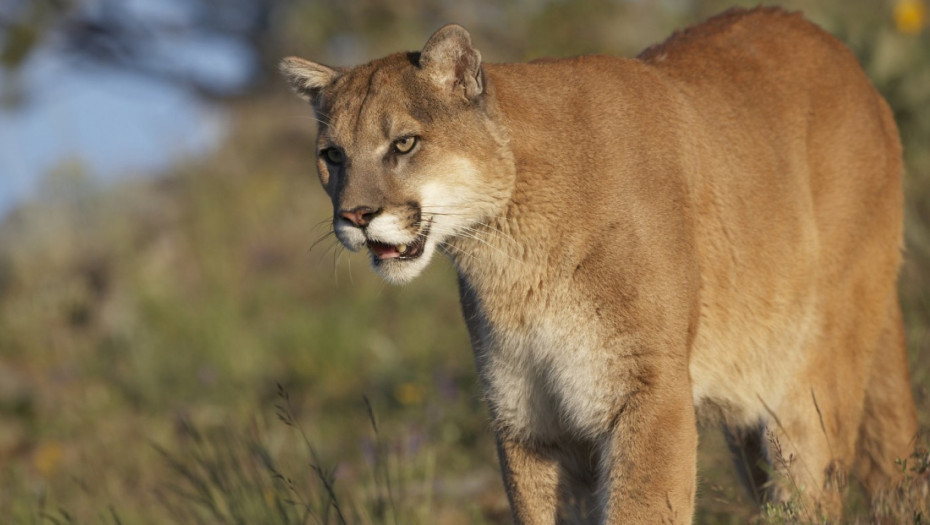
[{"x": 402, "y": 248}]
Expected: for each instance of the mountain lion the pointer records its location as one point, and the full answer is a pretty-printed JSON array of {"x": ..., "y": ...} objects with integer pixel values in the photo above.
[{"x": 709, "y": 230}]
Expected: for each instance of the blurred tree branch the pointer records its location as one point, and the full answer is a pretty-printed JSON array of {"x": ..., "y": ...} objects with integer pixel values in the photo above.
[{"x": 134, "y": 35}]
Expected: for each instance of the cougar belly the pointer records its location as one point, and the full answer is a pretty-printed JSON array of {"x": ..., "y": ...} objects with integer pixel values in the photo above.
[{"x": 743, "y": 362}]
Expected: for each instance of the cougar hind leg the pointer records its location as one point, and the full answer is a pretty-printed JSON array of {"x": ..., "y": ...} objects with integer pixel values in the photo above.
[{"x": 889, "y": 419}]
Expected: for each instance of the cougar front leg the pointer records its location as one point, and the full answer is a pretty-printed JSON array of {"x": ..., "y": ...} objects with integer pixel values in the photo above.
[
  {"x": 531, "y": 477},
  {"x": 649, "y": 458}
]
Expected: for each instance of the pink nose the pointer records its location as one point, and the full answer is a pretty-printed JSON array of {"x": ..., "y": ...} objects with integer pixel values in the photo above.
[{"x": 360, "y": 216}]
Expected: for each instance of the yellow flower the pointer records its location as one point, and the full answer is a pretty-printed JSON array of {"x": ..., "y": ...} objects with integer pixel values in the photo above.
[
  {"x": 47, "y": 458},
  {"x": 409, "y": 393},
  {"x": 909, "y": 16}
]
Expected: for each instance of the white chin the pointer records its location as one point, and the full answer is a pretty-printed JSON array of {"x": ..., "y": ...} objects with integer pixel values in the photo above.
[{"x": 402, "y": 271}]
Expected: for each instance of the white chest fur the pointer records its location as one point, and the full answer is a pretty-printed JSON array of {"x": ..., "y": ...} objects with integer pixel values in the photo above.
[{"x": 551, "y": 379}]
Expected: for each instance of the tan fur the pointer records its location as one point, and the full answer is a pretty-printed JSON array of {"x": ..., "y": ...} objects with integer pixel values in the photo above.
[{"x": 712, "y": 227}]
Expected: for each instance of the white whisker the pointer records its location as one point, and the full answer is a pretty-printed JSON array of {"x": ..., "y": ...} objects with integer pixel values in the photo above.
[
  {"x": 337, "y": 255},
  {"x": 320, "y": 239},
  {"x": 471, "y": 233},
  {"x": 351, "y": 280}
]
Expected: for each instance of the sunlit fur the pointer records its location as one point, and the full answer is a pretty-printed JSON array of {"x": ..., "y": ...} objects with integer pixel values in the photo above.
[{"x": 712, "y": 228}]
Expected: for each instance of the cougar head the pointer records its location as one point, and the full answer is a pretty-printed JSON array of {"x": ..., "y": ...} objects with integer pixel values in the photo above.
[{"x": 408, "y": 150}]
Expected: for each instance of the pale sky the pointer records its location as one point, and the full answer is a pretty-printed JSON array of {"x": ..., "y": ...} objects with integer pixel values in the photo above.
[{"x": 115, "y": 123}]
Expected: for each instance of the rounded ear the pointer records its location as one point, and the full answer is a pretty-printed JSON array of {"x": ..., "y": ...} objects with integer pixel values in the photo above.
[
  {"x": 452, "y": 62},
  {"x": 307, "y": 78}
]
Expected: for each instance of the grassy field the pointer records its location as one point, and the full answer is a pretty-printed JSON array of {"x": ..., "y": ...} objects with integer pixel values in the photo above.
[{"x": 182, "y": 350}]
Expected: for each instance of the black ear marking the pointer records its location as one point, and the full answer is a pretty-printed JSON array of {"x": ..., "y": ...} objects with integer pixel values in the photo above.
[
  {"x": 451, "y": 61},
  {"x": 307, "y": 78}
]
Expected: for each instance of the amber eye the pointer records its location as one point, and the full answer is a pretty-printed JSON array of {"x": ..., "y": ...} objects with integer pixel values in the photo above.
[
  {"x": 333, "y": 155},
  {"x": 405, "y": 144}
]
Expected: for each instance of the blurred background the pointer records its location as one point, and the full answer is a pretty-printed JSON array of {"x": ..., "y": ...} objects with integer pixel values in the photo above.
[{"x": 174, "y": 346}]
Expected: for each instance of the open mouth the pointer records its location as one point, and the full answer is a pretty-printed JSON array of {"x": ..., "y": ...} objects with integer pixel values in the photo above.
[{"x": 381, "y": 251}]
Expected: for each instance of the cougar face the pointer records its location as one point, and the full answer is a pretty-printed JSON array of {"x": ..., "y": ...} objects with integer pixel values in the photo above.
[{"x": 406, "y": 152}]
